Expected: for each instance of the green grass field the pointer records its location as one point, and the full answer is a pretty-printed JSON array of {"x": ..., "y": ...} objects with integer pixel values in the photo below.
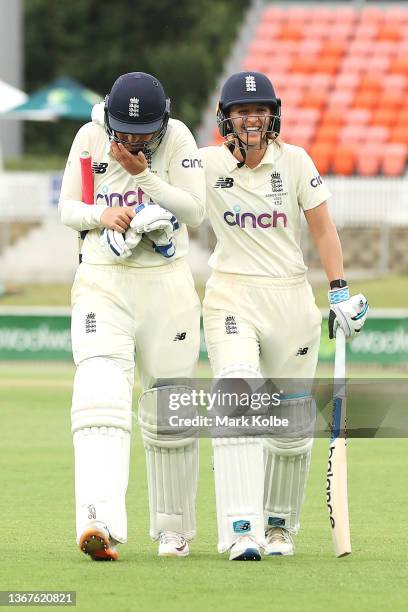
[
  {"x": 37, "y": 524},
  {"x": 384, "y": 292}
]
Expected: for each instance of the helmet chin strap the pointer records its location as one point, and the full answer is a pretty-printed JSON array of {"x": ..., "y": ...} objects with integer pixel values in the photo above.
[{"x": 243, "y": 150}]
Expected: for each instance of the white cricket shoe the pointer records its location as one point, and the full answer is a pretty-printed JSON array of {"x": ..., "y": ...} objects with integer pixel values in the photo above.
[
  {"x": 278, "y": 542},
  {"x": 97, "y": 542},
  {"x": 172, "y": 544},
  {"x": 245, "y": 549}
]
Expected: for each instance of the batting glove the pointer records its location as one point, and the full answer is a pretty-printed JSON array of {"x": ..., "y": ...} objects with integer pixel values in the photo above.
[
  {"x": 119, "y": 246},
  {"x": 149, "y": 218},
  {"x": 163, "y": 239},
  {"x": 347, "y": 312}
]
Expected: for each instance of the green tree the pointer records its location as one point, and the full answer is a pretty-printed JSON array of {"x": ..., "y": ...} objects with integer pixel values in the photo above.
[{"x": 183, "y": 42}]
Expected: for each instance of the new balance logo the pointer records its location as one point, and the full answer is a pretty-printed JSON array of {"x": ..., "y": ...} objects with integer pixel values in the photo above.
[
  {"x": 224, "y": 183},
  {"x": 302, "y": 350},
  {"x": 180, "y": 336},
  {"x": 99, "y": 168},
  {"x": 250, "y": 83},
  {"x": 90, "y": 323}
]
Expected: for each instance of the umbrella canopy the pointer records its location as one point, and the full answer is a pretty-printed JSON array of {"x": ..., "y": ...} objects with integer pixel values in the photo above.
[
  {"x": 10, "y": 96},
  {"x": 63, "y": 98}
]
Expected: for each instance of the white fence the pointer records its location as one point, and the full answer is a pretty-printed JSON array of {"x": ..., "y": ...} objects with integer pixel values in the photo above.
[{"x": 29, "y": 196}]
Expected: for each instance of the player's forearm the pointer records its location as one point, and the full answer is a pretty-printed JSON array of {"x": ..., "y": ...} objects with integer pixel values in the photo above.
[
  {"x": 188, "y": 207},
  {"x": 80, "y": 216},
  {"x": 331, "y": 255}
]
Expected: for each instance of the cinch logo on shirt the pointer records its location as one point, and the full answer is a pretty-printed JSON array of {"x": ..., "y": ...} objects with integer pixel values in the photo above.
[
  {"x": 192, "y": 163},
  {"x": 316, "y": 181},
  {"x": 248, "y": 219}
]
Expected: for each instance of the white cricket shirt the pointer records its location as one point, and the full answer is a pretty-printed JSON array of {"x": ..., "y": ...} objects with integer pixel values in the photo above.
[
  {"x": 175, "y": 181},
  {"x": 256, "y": 213}
]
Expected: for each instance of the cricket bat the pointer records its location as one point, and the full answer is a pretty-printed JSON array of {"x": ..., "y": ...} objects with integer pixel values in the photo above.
[
  {"x": 87, "y": 182},
  {"x": 336, "y": 483}
]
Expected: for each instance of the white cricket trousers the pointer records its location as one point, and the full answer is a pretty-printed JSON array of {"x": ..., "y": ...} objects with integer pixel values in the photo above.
[{"x": 119, "y": 309}]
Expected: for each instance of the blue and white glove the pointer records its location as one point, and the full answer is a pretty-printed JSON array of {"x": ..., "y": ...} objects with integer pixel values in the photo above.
[
  {"x": 119, "y": 246},
  {"x": 150, "y": 217},
  {"x": 347, "y": 312},
  {"x": 163, "y": 239}
]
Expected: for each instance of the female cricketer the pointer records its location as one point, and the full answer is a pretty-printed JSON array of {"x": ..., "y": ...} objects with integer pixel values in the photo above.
[
  {"x": 132, "y": 292},
  {"x": 260, "y": 316}
]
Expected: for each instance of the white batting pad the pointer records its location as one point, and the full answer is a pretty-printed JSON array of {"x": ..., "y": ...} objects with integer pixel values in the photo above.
[
  {"x": 287, "y": 462},
  {"x": 172, "y": 467},
  {"x": 238, "y": 472},
  {"x": 172, "y": 475},
  {"x": 102, "y": 396},
  {"x": 101, "y": 479}
]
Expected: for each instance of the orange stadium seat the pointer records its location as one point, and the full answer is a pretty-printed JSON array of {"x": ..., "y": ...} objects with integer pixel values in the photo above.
[
  {"x": 399, "y": 134},
  {"x": 315, "y": 99},
  {"x": 368, "y": 160},
  {"x": 267, "y": 31},
  {"x": 352, "y": 134},
  {"x": 378, "y": 63},
  {"x": 347, "y": 80},
  {"x": 332, "y": 116},
  {"x": 322, "y": 154},
  {"x": 402, "y": 47},
  {"x": 360, "y": 47},
  {"x": 394, "y": 159},
  {"x": 376, "y": 135},
  {"x": 390, "y": 32},
  {"x": 320, "y": 80},
  {"x": 261, "y": 46},
  {"x": 386, "y": 47},
  {"x": 291, "y": 32},
  {"x": 399, "y": 65},
  {"x": 301, "y": 135},
  {"x": 358, "y": 116},
  {"x": 309, "y": 116},
  {"x": 297, "y": 80},
  {"x": 328, "y": 134},
  {"x": 370, "y": 83},
  {"x": 365, "y": 99},
  {"x": 292, "y": 98},
  {"x": 395, "y": 82},
  {"x": 366, "y": 31},
  {"x": 305, "y": 64},
  {"x": 329, "y": 64},
  {"x": 334, "y": 48},
  {"x": 391, "y": 100},
  {"x": 355, "y": 65},
  {"x": 310, "y": 46},
  {"x": 342, "y": 98},
  {"x": 316, "y": 30},
  {"x": 384, "y": 116},
  {"x": 341, "y": 31},
  {"x": 344, "y": 159}
]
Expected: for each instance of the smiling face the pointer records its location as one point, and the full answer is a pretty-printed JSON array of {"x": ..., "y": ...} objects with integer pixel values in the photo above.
[{"x": 251, "y": 123}]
